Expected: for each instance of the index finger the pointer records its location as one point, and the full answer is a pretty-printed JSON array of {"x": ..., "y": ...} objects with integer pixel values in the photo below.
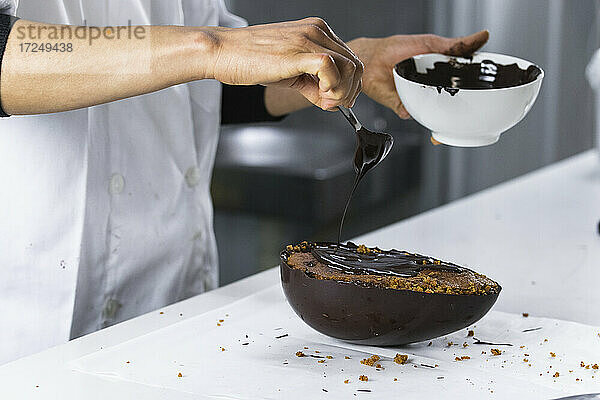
[{"x": 467, "y": 45}]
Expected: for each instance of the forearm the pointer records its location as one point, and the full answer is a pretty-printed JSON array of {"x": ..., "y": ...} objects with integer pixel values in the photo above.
[
  {"x": 281, "y": 101},
  {"x": 98, "y": 71}
]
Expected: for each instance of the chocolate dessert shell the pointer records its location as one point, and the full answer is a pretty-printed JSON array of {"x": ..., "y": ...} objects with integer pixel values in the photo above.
[{"x": 362, "y": 314}]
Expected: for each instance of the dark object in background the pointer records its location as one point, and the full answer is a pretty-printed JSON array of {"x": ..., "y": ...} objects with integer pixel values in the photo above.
[
  {"x": 377, "y": 316},
  {"x": 245, "y": 104}
]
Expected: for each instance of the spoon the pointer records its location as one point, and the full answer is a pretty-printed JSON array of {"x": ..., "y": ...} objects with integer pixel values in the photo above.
[{"x": 372, "y": 147}]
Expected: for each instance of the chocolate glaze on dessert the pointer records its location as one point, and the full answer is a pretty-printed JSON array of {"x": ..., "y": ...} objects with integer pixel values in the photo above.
[
  {"x": 453, "y": 75},
  {"x": 347, "y": 259},
  {"x": 371, "y": 314}
]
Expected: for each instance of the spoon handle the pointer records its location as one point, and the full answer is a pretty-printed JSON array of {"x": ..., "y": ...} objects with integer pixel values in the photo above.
[{"x": 349, "y": 114}]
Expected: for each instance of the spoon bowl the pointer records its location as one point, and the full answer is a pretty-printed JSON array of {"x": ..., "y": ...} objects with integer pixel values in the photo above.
[{"x": 372, "y": 147}]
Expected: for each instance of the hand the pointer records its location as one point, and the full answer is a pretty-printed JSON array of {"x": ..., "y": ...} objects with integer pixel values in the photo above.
[
  {"x": 304, "y": 55},
  {"x": 381, "y": 55}
]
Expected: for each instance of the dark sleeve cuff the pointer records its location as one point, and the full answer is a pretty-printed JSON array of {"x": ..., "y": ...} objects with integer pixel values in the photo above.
[
  {"x": 6, "y": 24},
  {"x": 245, "y": 104}
]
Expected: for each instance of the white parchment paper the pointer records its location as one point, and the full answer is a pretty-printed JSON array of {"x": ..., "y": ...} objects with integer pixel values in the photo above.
[{"x": 251, "y": 355}]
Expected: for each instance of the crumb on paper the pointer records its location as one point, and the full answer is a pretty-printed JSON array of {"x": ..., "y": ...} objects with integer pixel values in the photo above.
[
  {"x": 347, "y": 358},
  {"x": 556, "y": 374},
  {"x": 496, "y": 352},
  {"x": 552, "y": 354},
  {"x": 321, "y": 361},
  {"x": 450, "y": 344},
  {"x": 465, "y": 344},
  {"x": 347, "y": 381},
  {"x": 306, "y": 347},
  {"x": 525, "y": 314},
  {"x": 400, "y": 358},
  {"x": 462, "y": 358},
  {"x": 180, "y": 375},
  {"x": 363, "y": 378},
  {"x": 222, "y": 348},
  {"x": 300, "y": 354},
  {"x": 371, "y": 360},
  {"x": 329, "y": 357},
  {"x": 525, "y": 360},
  {"x": 161, "y": 312},
  {"x": 471, "y": 333},
  {"x": 395, "y": 379}
]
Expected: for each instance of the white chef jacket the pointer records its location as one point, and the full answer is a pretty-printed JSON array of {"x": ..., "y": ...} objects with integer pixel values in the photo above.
[{"x": 105, "y": 213}]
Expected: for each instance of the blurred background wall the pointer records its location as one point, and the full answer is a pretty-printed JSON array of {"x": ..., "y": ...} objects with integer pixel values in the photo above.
[{"x": 297, "y": 189}]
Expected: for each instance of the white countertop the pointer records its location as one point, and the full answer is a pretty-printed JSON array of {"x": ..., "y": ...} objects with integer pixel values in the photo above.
[{"x": 536, "y": 235}]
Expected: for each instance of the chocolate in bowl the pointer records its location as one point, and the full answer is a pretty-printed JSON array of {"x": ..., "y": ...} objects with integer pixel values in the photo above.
[
  {"x": 453, "y": 75},
  {"x": 381, "y": 307}
]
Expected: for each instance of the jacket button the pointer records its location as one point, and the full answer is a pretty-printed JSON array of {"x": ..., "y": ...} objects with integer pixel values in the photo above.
[
  {"x": 192, "y": 176},
  {"x": 117, "y": 184}
]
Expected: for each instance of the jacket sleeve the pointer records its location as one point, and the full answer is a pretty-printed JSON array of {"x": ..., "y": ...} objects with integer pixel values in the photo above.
[
  {"x": 8, "y": 7},
  {"x": 7, "y": 20},
  {"x": 245, "y": 104}
]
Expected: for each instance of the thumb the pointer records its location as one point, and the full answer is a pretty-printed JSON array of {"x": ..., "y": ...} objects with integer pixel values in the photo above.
[{"x": 463, "y": 46}]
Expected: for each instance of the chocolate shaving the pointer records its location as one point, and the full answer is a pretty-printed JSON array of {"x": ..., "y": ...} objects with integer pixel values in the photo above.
[
  {"x": 477, "y": 341},
  {"x": 313, "y": 356},
  {"x": 428, "y": 366},
  {"x": 282, "y": 336},
  {"x": 245, "y": 344},
  {"x": 532, "y": 329},
  {"x": 363, "y": 390},
  {"x": 325, "y": 390}
]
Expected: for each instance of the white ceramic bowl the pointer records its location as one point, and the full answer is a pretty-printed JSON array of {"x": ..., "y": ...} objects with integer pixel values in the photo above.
[{"x": 472, "y": 117}]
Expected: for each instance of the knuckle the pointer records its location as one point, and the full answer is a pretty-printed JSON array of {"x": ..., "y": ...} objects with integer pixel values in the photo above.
[
  {"x": 360, "y": 67},
  {"x": 350, "y": 67},
  {"x": 325, "y": 60},
  {"x": 303, "y": 40},
  {"x": 312, "y": 30},
  {"x": 317, "y": 21}
]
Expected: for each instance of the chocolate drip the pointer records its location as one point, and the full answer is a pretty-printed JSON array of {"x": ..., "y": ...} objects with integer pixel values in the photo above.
[
  {"x": 454, "y": 75},
  {"x": 346, "y": 259},
  {"x": 370, "y": 150}
]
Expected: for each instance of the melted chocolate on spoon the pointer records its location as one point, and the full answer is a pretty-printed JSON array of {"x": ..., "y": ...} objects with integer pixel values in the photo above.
[
  {"x": 453, "y": 75},
  {"x": 371, "y": 149},
  {"x": 346, "y": 259}
]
